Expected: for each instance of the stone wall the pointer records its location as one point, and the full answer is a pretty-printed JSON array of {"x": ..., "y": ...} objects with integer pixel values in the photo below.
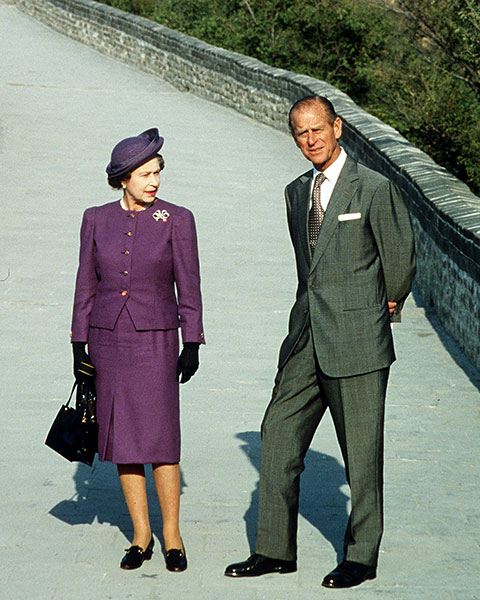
[{"x": 445, "y": 214}]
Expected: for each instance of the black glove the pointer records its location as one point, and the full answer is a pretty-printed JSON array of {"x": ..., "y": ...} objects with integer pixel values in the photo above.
[
  {"x": 83, "y": 370},
  {"x": 188, "y": 362}
]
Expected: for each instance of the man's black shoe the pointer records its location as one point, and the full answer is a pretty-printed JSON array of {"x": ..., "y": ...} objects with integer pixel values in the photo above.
[
  {"x": 260, "y": 565},
  {"x": 349, "y": 574}
]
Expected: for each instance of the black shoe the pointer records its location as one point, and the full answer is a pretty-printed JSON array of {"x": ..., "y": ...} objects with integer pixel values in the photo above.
[
  {"x": 176, "y": 560},
  {"x": 260, "y": 565},
  {"x": 135, "y": 556},
  {"x": 348, "y": 574}
]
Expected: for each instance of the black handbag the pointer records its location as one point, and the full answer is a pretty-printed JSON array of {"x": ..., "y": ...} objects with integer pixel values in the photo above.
[{"x": 74, "y": 432}]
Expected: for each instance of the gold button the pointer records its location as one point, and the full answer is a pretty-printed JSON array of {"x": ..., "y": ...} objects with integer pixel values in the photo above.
[
  {"x": 127, "y": 252},
  {"x": 125, "y": 272},
  {"x": 124, "y": 293},
  {"x": 129, "y": 233},
  {"x": 201, "y": 335}
]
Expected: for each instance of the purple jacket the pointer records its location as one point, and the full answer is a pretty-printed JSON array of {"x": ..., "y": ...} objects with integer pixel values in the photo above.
[{"x": 138, "y": 259}]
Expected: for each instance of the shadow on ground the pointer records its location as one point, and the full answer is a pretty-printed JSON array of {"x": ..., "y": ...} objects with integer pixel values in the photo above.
[
  {"x": 99, "y": 496},
  {"x": 322, "y": 501},
  {"x": 448, "y": 342}
]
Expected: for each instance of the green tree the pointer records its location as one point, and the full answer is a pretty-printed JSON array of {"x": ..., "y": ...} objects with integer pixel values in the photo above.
[
  {"x": 428, "y": 86},
  {"x": 414, "y": 64},
  {"x": 445, "y": 33}
]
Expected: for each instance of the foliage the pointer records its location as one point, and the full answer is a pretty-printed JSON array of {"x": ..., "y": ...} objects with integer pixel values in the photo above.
[
  {"x": 415, "y": 65},
  {"x": 446, "y": 33}
]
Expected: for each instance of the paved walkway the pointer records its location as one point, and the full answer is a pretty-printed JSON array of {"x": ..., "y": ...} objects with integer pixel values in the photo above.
[{"x": 64, "y": 527}]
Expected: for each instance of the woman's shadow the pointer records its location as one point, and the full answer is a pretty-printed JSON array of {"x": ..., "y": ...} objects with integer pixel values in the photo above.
[
  {"x": 322, "y": 502},
  {"x": 98, "y": 495}
]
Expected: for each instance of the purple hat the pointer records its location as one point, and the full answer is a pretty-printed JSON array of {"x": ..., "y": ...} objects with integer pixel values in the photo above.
[{"x": 132, "y": 152}]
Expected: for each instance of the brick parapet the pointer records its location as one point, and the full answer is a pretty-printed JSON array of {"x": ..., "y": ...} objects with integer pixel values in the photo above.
[{"x": 445, "y": 214}]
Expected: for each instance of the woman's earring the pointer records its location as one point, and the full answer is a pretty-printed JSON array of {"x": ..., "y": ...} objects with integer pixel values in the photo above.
[{"x": 124, "y": 186}]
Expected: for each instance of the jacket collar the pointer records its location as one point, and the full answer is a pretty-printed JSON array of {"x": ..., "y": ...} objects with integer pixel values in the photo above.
[
  {"x": 342, "y": 195},
  {"x": 302, "y": 190}
]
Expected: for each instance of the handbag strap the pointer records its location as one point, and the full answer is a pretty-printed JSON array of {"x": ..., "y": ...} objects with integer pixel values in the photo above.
[{"x": 71, "y": 393}]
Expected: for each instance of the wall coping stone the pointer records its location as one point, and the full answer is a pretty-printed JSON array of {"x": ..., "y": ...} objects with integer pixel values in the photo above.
[
  {"x": 416, "y": 166},
  {"x": 442, "y": 207}
]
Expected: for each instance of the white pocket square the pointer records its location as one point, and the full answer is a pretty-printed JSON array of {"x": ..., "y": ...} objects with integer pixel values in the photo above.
[{"x": 349, "y": 216}]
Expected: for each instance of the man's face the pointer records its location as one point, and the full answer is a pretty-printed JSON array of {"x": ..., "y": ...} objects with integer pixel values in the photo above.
[{"x": 315, "y": 136}]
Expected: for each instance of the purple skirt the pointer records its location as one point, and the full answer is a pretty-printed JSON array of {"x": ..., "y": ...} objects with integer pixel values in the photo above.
[{"x": 137, "y": 393}]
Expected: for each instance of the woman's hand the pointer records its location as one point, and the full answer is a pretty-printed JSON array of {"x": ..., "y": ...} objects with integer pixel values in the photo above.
[
  {"x": 83, "y": 370},
  {"x": 188, "y": 362}
]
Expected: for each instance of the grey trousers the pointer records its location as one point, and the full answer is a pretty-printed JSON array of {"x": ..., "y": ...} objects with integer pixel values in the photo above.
[{"x": 300, "y": 397}]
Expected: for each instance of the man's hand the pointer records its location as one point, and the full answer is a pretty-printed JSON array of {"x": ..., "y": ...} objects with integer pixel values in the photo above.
[{"x": 391, "y": 308}]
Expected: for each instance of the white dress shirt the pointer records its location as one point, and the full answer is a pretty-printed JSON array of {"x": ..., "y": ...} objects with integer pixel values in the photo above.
[{"x": 332, "y": 174}]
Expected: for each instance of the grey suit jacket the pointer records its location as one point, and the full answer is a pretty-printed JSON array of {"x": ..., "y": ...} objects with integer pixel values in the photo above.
[{"x": 358, "y": 265}]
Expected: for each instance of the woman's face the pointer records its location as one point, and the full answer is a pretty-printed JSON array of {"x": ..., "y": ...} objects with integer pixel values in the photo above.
[{"x": 143, "y": 183}]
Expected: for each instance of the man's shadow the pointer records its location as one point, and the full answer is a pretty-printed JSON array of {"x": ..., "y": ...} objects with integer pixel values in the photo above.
[
  {"x": 451, "y": 346},
  {"x": 98, "y": 495},
  {"x": 322, "y": 502}
]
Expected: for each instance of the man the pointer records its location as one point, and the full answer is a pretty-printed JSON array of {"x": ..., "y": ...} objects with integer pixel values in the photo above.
[{"x": 354, "y": 251}]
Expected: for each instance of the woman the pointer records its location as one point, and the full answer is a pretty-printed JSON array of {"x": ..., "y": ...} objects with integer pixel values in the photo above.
[{"x": 134, "y": 253}]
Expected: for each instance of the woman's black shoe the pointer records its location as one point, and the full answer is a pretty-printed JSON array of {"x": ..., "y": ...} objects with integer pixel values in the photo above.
[
  {"x": 135, "y": 556},
  {"x": 176, "y": 560}
]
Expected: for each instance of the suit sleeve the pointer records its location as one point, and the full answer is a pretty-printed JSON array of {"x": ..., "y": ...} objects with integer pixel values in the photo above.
[
  {"x": 393, "y": 234},
  {"x": 288, "y": 205},
  {"x": 186, "y": 270},
  {"x": 87, "y": 281}
]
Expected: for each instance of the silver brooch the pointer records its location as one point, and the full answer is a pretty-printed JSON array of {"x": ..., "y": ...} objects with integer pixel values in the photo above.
[{"x": 161, "y": 214}]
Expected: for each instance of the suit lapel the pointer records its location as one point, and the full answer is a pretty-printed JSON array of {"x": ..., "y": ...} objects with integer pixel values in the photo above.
[
  {"x": 342, "y": 195},
  {"x": 302, "y": 191}
]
